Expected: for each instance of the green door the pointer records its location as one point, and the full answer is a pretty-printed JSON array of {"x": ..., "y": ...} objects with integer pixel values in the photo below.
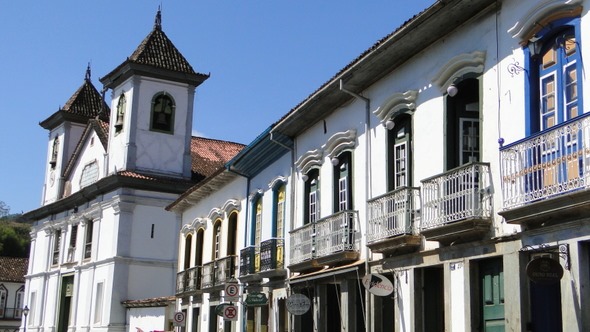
[{"x": 492, "y": 295}]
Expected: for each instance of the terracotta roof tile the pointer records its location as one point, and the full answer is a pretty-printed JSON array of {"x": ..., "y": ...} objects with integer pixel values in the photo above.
[
  {"x": 152, "y": 177},
  {"x": 157, "y": 50},
  {"x": 13, "y": 269},
  {"x": 88, "y": 102},
  {"x": 209, "y": 155},
  {"x": 152, "y": 302}
]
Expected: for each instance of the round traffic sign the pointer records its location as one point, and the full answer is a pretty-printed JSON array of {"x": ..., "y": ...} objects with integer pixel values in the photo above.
[
  {"x": 231, "y": 290},
  {"x": 179, "y": 317},
  {"x": 230, "y": 312}
]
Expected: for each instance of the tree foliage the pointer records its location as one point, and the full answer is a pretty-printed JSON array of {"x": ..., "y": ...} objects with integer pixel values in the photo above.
[{"x": 15, "y": 238}]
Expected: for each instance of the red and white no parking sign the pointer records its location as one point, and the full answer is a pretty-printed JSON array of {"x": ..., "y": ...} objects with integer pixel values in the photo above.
[{"x": 230, "y": 312}]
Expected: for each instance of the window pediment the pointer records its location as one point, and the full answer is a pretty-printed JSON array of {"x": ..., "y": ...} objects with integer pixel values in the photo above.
[
  {"x": 395, "y": 104},
  {"x": 216, "y": 213},
  {"x": 459, "y": 66},
  {"x": 541, "y": 15},
  {"x": 339, "y": 142},
  {"x": 231, "y": 205},
  {"x": 309, "y": 160}
]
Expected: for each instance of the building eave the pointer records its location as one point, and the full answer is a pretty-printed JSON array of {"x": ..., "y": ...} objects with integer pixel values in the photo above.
[{"x": 381, "y": 59}]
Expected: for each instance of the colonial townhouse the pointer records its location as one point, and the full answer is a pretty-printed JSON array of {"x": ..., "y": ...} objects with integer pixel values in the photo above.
[
  {"x": 12, "y": 292},
  {"x": 445, "y": 170},
  {"x": 102, "y": 240},
  {"x": 231, "y": 269}
]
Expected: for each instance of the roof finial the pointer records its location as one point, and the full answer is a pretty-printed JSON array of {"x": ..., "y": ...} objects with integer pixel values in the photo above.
[
  {"x": 158, "y": 23},
  {"x": 87, "y": 78}
]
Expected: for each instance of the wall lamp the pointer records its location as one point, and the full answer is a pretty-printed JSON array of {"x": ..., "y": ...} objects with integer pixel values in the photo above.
[
  {"x": 335, "y": 161},
  {"x": 389, "y": 124},
  {"x": 304, "y": 177},
  {"x": 452, "y": 90}
]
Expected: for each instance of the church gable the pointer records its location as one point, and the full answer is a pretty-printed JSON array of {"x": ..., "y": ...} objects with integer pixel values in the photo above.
[{"x": 87, "y": 163}]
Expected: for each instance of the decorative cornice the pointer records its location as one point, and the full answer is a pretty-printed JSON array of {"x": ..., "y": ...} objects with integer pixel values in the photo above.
[
  {"x": 396, "y": 103},
  {"x": 231, "y": 205},
  {"x": 199, "y": 223},
  {"x": 540, "y": 15},
  {"x": 459, "y": 66},
  {"x": 277, "y": 181},
  {"x": 186, "y": 229},
  {"x": 309, "y": 160},
  {"x": 339, "y": 142},
  {"x": 216, "y": 213},
  {"x": 254, "y": 194}
]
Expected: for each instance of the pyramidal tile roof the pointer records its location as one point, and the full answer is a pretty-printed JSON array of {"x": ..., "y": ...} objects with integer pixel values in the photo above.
[
  {"x": 158, "y": 51},
  {"x": 156, "y": 56},
  {"x": 87, "y": 101}
]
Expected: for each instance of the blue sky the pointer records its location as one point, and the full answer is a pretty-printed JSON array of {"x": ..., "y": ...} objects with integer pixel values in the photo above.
[{"x": 264, "y": 57}]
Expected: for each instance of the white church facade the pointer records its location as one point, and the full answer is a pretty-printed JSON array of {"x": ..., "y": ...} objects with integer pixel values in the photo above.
[{"x": 102, "y": 240}]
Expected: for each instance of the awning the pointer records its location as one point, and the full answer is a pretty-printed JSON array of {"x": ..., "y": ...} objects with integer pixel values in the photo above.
[{"x": 326, "y": 272}]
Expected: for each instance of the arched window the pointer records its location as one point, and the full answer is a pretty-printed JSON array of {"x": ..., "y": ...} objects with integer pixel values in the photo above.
[
  {"x": 216, "y": 240},
  {"x": 188, "y": 242},
  {"x": 162, "y": 118},
  {"x": 19, "y": 301},
  {"x": 232, "y": 233},
  {"x": 3, "y": 298},
  {"x": 121, "y": 106},
  {"x": 54, "y": 151},
  {"x": 312, "y": 196},
  {"x": 463, "y": 129},
  {"x": 199, "y": 247},
  {"x": 257, "y": 221},
  {"x": 342, "y": 182},
  {"x": 399, "y": 153},
  {"x": 556, "y": 69},
  {"x": 280, "y": 193}
]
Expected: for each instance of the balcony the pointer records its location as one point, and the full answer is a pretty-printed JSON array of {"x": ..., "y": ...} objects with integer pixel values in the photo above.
[
  {"x": 545, "y": 177},
  {"x": 272, "y": 258},
  {"x": 266, "y": 261},
  {"x": 215, "y": 274},
  {"x": 188, "y": 282},
  {"x": 392, "y": 222},
  {"x": 11, "y": 313},
  {"x": 331, "y": 241},
  {"x": 250, "y": 264},
  {"x": 457, "y": 205}
]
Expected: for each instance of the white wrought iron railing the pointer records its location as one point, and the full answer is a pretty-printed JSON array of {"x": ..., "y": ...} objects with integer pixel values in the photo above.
[
  {"x": 461, "y": 193},
  {"x": 550, "y": 163},
  {"x": 336, "y": 233},
  {"x": 393, "y": 214},
  {"x": 302, "y": 243}
]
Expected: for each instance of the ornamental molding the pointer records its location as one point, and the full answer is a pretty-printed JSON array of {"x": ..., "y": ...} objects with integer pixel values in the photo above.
[
  {"x": 216, "y": 213},
  {"x": 396, "y": 104},
  {"x": 309, "y": 160},
  {"x": 458, "y": 67},
  {"x": 231, "y": 205},
  {"x": 255, "y": 194},
  {"x": 199, "y": 223},
  {"x": 339, "y": 142},
  {"x": 539, "y": 16},
  {"x": 277, "y": 181},
  {"x": 186, "y": 229}
]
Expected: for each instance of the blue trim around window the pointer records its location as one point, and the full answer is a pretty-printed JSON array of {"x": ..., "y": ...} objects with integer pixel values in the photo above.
[
  {"x": 255, "y": 201},
  {"x": 531, "y": 89}
]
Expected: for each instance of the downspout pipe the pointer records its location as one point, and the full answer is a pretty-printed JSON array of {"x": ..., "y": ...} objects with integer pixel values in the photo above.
[{"x": 368, "y": 179}]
